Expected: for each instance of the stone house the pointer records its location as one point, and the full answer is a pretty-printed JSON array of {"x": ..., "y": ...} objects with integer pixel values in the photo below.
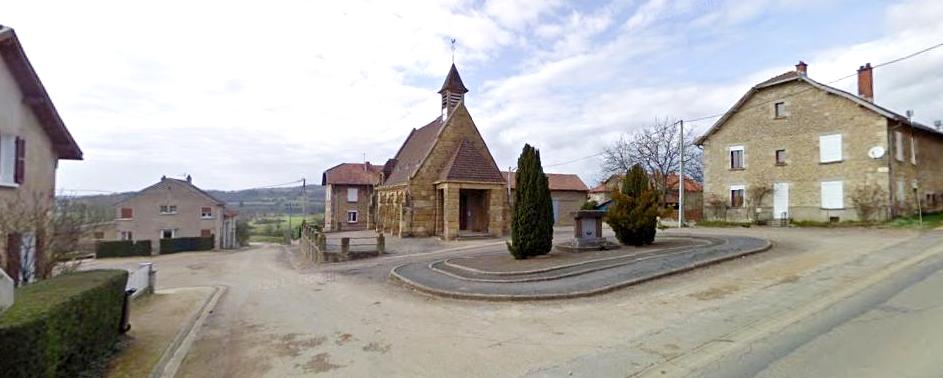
[
  {"x": 443, "y": 181},
  {"x": 174, "y": 208},
  {"x": 813, "y": 147},
  {"x": 349, "y": 201},
  {"x": 567, "y": 191},
  {"x": 33, "y": 139}
]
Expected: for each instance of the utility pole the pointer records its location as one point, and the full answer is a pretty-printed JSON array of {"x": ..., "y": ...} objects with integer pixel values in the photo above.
[
  {"x": 303, "y": 199},
  {"x": 289, "y": 222},
  {"x": 681, "y": 177}
]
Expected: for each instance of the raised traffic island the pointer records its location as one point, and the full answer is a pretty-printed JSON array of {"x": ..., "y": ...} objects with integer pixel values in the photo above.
[{"x": 563, "y": 274}]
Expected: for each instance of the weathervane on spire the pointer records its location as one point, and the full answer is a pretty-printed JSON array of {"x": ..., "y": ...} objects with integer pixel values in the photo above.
[{"x": 453, "y": 50}]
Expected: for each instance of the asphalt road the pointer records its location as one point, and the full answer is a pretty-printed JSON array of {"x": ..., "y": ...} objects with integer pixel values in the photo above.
[{"x": 891, "y": 329}]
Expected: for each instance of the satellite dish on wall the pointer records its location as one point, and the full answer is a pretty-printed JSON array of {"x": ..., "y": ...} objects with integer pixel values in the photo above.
[{"x": 876, "y": 152}]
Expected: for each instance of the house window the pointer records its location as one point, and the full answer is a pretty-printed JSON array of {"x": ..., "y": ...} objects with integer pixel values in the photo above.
[
  {"x": 168, "y": 209},
  {"x": 12, "y": 160},
  {"x": 352, "y": 216},
  {"x": 206, "y": 212},
  {"x": 168, "y": 233},
  {"x": 736, "y": 196},
  {"x": 351, "y": 194},
  {"x": 125, "y": 235},
  {"x": 900, "y": 191},
  {"x": 779, "y": 109},
  {"x": 780, "y": 157},
  {"x": 736, "y": 157},
  {"x": 899, "y": 146},
  {"x": 833, "y": 194},
  {"x": 913, "y": 150},
  {"x": 830, "y": 148},
  {"x": 98, "y": 235},
  {"x": 206, "y": 232},
  {"x": 127, "y": 213}
]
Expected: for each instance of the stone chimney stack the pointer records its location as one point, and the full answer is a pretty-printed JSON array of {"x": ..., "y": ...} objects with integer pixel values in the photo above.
[
  {"x": 866, "y": 82},
  {"x": 802, "y": 68}
]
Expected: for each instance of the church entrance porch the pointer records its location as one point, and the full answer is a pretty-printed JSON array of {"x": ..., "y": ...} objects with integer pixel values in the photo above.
[
  {"x": 469, "y": 210},
  {"x": 472, "y": 211}
]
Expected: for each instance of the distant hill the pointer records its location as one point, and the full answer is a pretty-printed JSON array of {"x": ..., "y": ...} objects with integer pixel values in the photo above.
[{"x": 249, "y": 202}]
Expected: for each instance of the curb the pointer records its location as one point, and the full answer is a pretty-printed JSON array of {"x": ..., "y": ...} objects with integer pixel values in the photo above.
[
  {"x": 688, "y": 364},
  {"x": 396, "y": 277},
  {"x": 170, "y": 360}
]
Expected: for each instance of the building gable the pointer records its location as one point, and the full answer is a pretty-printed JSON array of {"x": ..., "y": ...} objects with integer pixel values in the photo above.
[{"x": 459, "y": 130}]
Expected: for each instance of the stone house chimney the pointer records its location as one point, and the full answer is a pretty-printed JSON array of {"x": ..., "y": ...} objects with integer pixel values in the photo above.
[
  {"x": 866, "y": 82},
  {"x": 802, "y": 68}
]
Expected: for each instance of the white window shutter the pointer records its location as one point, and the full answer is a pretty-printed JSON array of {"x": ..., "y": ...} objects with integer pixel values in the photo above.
[
  {"x": 830, "y": 148},
  {"x": 833, "y": 195},
  {"x": 7, "y": 159},
  {"x": 899, "y": 145},
  {"x": 351, "y": 194}
]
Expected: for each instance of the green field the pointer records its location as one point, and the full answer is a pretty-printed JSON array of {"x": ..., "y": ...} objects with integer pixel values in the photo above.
[{"x": 272, "y": 229}]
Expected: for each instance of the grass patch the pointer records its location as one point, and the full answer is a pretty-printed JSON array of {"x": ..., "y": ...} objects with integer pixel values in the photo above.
[
  {"x": 266, "y": 239},
  {"x": 930, "y": 221},
  {"x": 718, "y": 223}
]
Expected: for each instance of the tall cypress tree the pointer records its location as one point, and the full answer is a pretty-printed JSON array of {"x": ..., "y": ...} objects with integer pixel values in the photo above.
[{"x": 532, "y": 219}]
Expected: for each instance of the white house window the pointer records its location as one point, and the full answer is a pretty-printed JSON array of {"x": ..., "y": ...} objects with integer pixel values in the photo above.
[
  {"x": 7, "y": 160},
  {"x": 913, "y": 150},
  {"x": 900, "y": 190},
  {"x": 833, "y": 194},
  {"x": 830, "y": 148},
  {"x": 168, "y": 209},
  {"x": 736, "y": 157},
  {"x": 352, "y": 216},
  {"x": 899, "y": 145},
  {"x": 351, "y": 194},
  {"x": 168, "y": 233},
  {"x": 125, "y": 235},
  {"x": 779, "y": 109},
  {"x": 206, "y": 213},
  {"x": 737, "y": 196}
]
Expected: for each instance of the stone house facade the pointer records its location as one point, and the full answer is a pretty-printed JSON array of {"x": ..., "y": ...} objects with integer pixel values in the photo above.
[
  {"x": 33, "y": 139},
  {"x": 349, "y": 203},
  {"x": 174, "y": 208},
  {"x": 567, "y": 191},
  {"x": 443, "y": 181},
  {"x": 814, "y": 147}
]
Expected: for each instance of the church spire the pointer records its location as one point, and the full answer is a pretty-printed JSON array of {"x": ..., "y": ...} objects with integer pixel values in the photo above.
[{"x": 453, "y": 91}]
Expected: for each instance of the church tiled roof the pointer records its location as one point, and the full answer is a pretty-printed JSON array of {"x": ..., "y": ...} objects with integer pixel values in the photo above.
[
  {"x": 413, "y": 151},
  {"x": 468, "y": 164},
  {"x": 453, "y": 82}
]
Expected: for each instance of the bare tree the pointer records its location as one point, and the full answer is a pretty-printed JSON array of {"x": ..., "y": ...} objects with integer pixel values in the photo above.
[{"x": 656, "y": 149}]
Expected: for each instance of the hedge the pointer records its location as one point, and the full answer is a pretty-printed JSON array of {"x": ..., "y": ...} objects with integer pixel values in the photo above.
[
  {"x": 62, "y": 327},
  {"x": 187, "y": 244},
  {"x": 122, "y": 248}
]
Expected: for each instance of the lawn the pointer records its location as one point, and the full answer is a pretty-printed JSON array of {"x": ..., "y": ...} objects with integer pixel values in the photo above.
[{"x": 930, "y": 221}]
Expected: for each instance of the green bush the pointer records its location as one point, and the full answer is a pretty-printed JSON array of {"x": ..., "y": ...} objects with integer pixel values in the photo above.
[
  {"x": 589, "y": 205},
  {"x": 197, "y": 243},
  {"x": 532, "y": 218},
  {"x": 633, "y": 214},
  {"x": 62, "y": 327},
  {"x": 122, "y": 248}
]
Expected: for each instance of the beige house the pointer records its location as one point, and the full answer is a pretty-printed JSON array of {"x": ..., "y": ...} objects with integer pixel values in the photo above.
[
  {"x": 443, "y": 181},
  {"x": 174, "y": 208},
  {"x": 348, "y": 192},
  {"x": 567, "y": 191},
  {"x": 32, "y": 141},
  {"x": 816, "y": 148}
]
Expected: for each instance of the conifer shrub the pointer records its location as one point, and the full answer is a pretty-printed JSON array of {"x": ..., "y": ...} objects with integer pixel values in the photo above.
[
  {"x": 532, "y": 217},
  {"x": 633, "y": 215}
]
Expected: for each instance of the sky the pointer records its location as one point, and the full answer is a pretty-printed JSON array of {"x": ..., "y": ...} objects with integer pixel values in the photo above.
[{"x": 244, "y": 94}]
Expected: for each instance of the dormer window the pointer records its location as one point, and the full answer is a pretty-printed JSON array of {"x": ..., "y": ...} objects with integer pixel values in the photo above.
[{"x": 779, "y": 109}]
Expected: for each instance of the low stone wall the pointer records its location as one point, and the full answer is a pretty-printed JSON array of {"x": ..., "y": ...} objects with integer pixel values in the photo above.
[{"x": 316, "y": 247}]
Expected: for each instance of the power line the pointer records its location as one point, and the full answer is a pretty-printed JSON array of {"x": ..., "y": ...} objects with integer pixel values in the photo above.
[{"x": 574, "y": 160}]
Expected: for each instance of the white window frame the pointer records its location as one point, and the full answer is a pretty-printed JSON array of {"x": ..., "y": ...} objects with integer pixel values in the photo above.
[
  {"x": 829, "y": 189},
  {"x": 8, "y": 161},
  {"x": 168, "y": 209},
  {"x": 899, "y": 145},
  {"x": 733, "y": 188},
  {"x": 743, "y": 157},
  {"x": 173, "y": 233},
  {"x": 352, "y": 194},
  {"x": 776, "y": 113},
  {"x": 205, "y": 215},
  {"x": 830, "y": 148},
  {"x": 356, "y": 216},
  {"x": 125, "y": 235}
]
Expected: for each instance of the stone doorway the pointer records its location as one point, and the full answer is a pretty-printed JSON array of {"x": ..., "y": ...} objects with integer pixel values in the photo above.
[{"x": 473, "y": 211}]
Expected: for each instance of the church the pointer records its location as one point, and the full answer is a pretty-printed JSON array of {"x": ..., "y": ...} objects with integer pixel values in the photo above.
[{"x": 443, "y": 181}]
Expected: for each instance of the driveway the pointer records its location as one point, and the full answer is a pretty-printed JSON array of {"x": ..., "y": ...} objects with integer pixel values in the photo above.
[{"x": 349, "y": 320}]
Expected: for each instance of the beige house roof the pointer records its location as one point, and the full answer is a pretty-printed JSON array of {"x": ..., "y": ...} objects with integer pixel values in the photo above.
[
  {"x": 185, "y": 183},
  {"x": 557, "y": 181}
]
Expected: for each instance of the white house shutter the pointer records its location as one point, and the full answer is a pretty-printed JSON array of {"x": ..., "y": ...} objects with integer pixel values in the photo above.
[
  {"x": 833, "y": 195},
  {"x": 351, "y": 194},
  {"x": 830, "y": 148},
  {"x": 7, "y": 159},
  {"x": 899, "y": 145}
]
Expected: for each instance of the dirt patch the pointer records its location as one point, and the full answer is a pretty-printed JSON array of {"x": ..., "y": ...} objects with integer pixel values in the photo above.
[
  {"x": 788, "y": 279},
  {"x": 376, "y": 347},
  {"x": 716, "y": 292},
  {"x": 319, "y": 363},
  {"x": 292, "y": 344},
  {"x": 343, "y": 338}
]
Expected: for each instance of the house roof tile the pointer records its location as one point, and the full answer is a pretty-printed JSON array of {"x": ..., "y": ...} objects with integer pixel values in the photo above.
[
  {"x": 352, "y": 174},
  {"x": 557, "y": 181},
  {"x": 468, "y": 164}
]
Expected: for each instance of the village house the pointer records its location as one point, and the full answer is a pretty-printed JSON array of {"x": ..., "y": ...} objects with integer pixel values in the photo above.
[
  {"x": 693, "y": 196},
  {"x": 816, "y": 149},
  {"x": 567, "y": 191},
  {"x": 349, "y": 202},
  {"x": 443, "y": 181},
  {"x": 174, "y": 208},
  {"x": 33, "y": 139}
]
